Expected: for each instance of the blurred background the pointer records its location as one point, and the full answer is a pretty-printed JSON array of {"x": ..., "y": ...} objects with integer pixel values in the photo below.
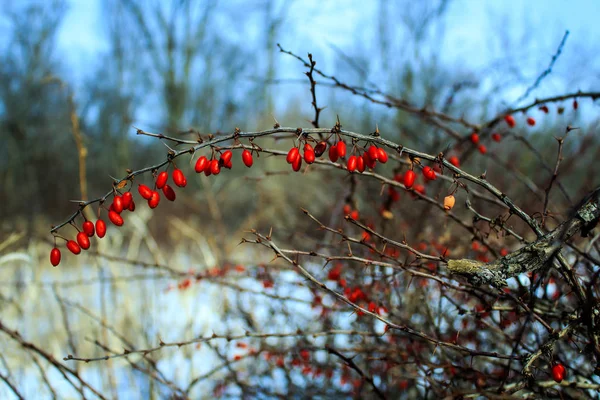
[{"x": 76, "y": 77}]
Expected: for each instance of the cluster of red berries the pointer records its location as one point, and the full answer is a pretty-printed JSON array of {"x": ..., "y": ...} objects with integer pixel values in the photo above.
[
  {"x": 120, "y": 204},
  {"x": 368, "y": 159},
  {"x": 310, "y": 153},
  {"x": 125, "y": 201},
  {"x": 214, "y": 165},
  {"x": 358, "y": 163}
]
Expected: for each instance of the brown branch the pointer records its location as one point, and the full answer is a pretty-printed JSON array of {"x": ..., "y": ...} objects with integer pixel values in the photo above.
[{"x": 533, "y": 256}]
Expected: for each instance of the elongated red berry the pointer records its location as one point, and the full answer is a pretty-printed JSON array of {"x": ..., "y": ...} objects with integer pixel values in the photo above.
[
  {"x": 341, "y": 149},
  {"x": 510, "y": 120},
  {"x": 201, "y": 164},
  {"x": 309, "y": 154},
  {"x": 454, "y": 161},
  {"x": 115, "y": 218},
  {"x": 117, "y": 204},
  {"x": 145, "y": 191},
  {"x": 207, "y": 170},
  {"x": 101, "y": 228},
  {"x": 382, "y": 156},
  {"x": 88, "y": 228},
  {"x": 333, "y": 153},
  {"x": 360, "y": 164},
  {"x": 558, "y": 372},
  {"x": 169, "y": 193},
  {"x": 162, "y": 178},
  {"x": 227, "y": 164},
  {"x": 179, "y": 178},
  {"x": 215, "y": 168},
  {"x": 320, "y": 148},
  {"x": 409, "y": 178},
  {"x": 352, "y": 161},
  {"x": 247, "y": 158},
  {"x": 482, "y": 149},
  {"x": 55, "y": 256},
  {"x": 496, "y": 137},
  {"x": 544, "y": 109},
  {"x": 74, "y": 247},
  {"x": 154, "y": 200},
  {"x": 83, "y": 240},
  {"x": 474, "y": 138},
  {"x": 373, "y": 153},
  {"x": 575, "y": 104},
  {"x": 131, "y": 206},
  {"x": 127, "y": 199},
  {"x": 297, "y": 164},
  {"x": 292, "y": 155},
  {"x": 370, "y": 162},
  {"x": 530, "y": 121},
  {"x": 226, "y": 156},
  {"x": 429, "y": 173}
]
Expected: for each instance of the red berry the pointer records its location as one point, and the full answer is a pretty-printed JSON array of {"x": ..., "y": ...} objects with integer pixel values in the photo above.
[
  {"x": 409, "y": 178},
  {"x": 496, "y": 137},
  {"x": 169, "y": 193},
  {"x": 354, "y": 214},
  {"x": 88, "y": 228},
  {"x": 544, "y": 109},
  {"x": 454, "y": 161},
  {"x": 247, "y": 158},
  {"x": 429, "y": 173},
  {"x": 510, "y": 120},
  {"x": 368, "y": 161},
  {"x": 154, "y": 199},
  {"x": 382, "y": 157},
  {"x": 333, "y": 153},
  {"x": 131, "y": 206},
  {"x": 115, "y": 218},
  {"x": 309, "y": 154},
  {"x": 215, "y": 168},
  {"x": 178, "y": 178},
  {"x": 360, "y": 164},
  {"x": 575, "y": 104},
  {"x": 127, "y": 198},
  {"x": 161, "y": 179},
  {"x": 420, "y": 189},
  {"x": 201, "y": 165},
  {"x": 373, "y": 153},
  {"x": 227, "y": 164},
  {"x": 482, "y": 149},
  {"x": 145, "y": 191},
  {"x": 474, "y": 138},
  {"x": 297, "y": 164},
  {"x": 346, "y": 209},
  {"x": 117, "y": 204},
  {"x": 341, "y": 149},
  {"x": 320, "y": 148},
  {"x": 558, "y": 372},
  {"x": 352, "y": 162},
  {"x": 74, "y": 247},
  {"x": 226, "y": 156},
  {"x": 101, "y": 228},
  {"x": 55, "y": 256},
  {"x": 530, "y": 121},
  {"x": 83, "y": 240},
  {"x": 292, "y": 155}
]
